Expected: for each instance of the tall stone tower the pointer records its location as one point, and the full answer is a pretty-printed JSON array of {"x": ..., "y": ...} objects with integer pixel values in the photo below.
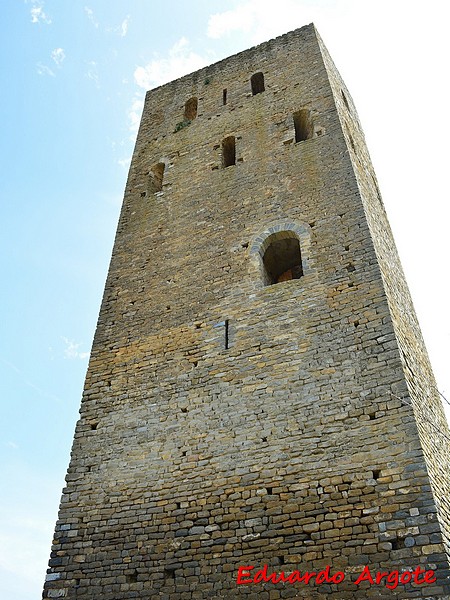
[{"x": 258, "y": 391}]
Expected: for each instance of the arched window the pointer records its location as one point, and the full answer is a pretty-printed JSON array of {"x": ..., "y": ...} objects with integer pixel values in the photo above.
[
  {"x": 190, "y": 109},
  {"x": 303, "y": 124},
  {"x": 282, "y": 258},
  {"x": 229, "y": 151},
  {"x": 257, "y": 83},
  {"x": 156, "y": 175}
]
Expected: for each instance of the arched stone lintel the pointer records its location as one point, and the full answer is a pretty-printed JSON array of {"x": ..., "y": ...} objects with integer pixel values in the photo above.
[{"x": 284, "y": 229}]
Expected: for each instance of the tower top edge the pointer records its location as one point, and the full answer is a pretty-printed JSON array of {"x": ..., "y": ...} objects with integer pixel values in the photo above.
[{"x": 258, "y": 48}]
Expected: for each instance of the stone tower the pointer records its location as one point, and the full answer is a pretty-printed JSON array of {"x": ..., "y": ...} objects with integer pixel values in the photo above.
[{"x": 258, "y": 391}]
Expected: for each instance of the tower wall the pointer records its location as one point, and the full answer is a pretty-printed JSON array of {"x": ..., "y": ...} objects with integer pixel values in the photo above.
[
  {"x": 422, "y": 392},
  {"x": 226, "y": 422}
]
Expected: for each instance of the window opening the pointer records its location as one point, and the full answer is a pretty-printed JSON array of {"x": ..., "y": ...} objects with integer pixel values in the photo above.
[
  {"x": 229, "y": 151},
  {"x": 257, "y": 83},
  {"x": 169, "y": 573},
  {"x": 224, "y": 96},
  {"x": 156, "y": 175},
  {"x": 227, "y": 334},
  {"x": 282, "y": 259},
  {"x": 303, "y": 124},
  {"x": 132, "y": 577},
  {"x": 190, "y": 109}
]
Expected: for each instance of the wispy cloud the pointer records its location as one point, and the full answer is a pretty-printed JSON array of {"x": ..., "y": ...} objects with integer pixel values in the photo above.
[
  {"x": 180, "y": 61},
  {"x": 90, "y": 15},
  {"x": 124, "y": 26},
  {"x": 58, "y": 55},
  {"x": 37, "y": 13},
  {"x": 71, "y": 350},
  {"x": 92, "y": 72},
  {"x": 44, "y": 70},
  {"x": 121, "y": 30}
]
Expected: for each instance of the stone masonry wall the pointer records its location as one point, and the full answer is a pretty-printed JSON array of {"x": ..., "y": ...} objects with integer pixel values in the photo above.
[
  {"x": 226, "y": 422},
  {"x": 422, "y": 391}
]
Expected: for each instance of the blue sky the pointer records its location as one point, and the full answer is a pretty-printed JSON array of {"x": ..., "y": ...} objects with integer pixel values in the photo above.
[{"x": 74, "y": 75}]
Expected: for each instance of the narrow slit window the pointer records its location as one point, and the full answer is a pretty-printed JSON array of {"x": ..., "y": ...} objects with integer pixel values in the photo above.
[
  {"x": 227, "y": 334},
  {"x": 229, "y": 151},
  {"x": 156, "y": 176},
  {"x": 224, "y": 96},
  {"x": 190, "y": 109},
  {"x": 303, "y": 124},
  {"x": 282, "y": 259},
  {"x": 257, "y": 83}
]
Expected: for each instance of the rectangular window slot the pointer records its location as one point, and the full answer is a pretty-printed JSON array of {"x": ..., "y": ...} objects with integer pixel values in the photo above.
[{"x": 227, "y": 336}]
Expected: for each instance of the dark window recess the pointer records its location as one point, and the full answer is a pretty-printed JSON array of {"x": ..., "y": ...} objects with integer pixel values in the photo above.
[
  {"x": 224, "y": 96},
  {"x": 132, "y": 577},
  {"x": 190, "y": 109},
  {"x": 282, "y": 259},
  {"x": 169, "y": 573},
  {"x": 229, "y": 151},
  {"x": 156, "y": 176},
  {"x": 227, "y": 334},
  {"x": 398, "y": 543},
  {"x": 303, "y": 124},
  {"x": 257, "y": 83}
]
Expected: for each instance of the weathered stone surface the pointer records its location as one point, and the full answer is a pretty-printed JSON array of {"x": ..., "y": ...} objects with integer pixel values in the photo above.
[{"x": 228, "y": 422}]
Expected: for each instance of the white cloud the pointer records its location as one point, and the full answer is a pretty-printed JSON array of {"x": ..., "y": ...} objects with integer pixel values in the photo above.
[
  {"x": 242, "y": 18},
  {"x": 44, "y": 70},
  {"x": 91, "y": 17},
  {"x": 58, "y": 56},
  {"x": 180, "y": 61},
  {"x": 124, "y": 26},
  {"x": 135, "y": 113},
  {"x": 124, "y": 162},
  {"x": 92, "y": 72},
  {"x": 71, "y": 350},
  {"x": 261, "y": 20},
  {"x": 121, "y": 30},
  {"x": 37, "y": 13}
]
